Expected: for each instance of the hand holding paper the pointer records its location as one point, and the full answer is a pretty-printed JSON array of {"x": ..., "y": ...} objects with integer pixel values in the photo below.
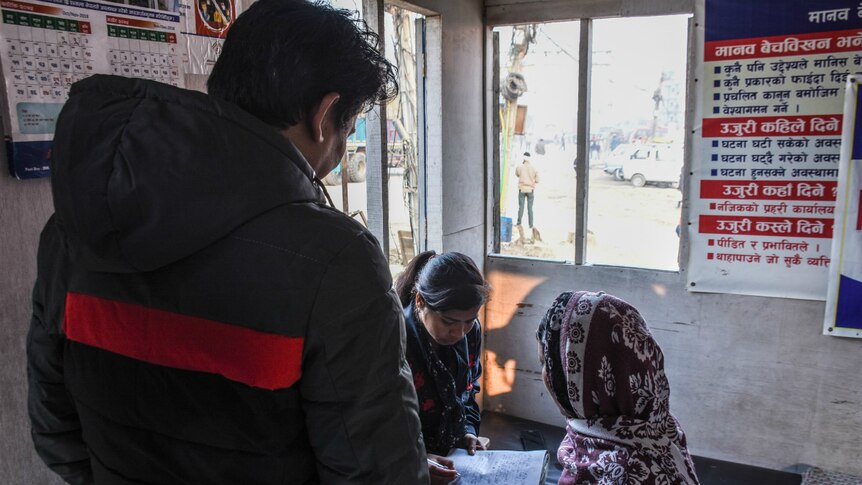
[{"x": 499, "y": 466}]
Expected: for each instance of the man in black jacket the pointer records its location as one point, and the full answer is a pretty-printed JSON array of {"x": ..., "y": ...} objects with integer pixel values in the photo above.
[{"x": 200, "y": 316}]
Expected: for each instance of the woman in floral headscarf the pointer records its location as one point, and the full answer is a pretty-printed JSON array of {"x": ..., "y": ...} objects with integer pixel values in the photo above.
[{"x": 606, "y": 374}]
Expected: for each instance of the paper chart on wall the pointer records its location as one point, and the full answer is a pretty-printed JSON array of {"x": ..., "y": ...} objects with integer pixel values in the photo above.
[
  {"x": 46, "y": 46},
  {"x": 500, "y": 466},
  {"x": 770, "y": 90}
]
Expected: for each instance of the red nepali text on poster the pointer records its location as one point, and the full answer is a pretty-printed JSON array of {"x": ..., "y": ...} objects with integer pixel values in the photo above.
[
  {"x": 822, "y": 190},
  {"x": 803, "y": 125},
  {"x": 766, "y": 226}
]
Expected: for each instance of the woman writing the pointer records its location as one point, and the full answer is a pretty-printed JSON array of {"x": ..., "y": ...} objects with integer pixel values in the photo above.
[{"x": 442, "y": 295}]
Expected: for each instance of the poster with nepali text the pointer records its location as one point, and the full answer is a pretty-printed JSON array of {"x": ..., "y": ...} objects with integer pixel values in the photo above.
[
  {"x": 766, "y": 148},
  {"x": 843, "y": 316}
]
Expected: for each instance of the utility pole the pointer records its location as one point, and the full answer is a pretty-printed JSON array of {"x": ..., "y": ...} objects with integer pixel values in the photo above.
[
  {"x": 658, "y": 99},
  {"x": 403, "y": 112},
  {"x": 513, "y": 87}
]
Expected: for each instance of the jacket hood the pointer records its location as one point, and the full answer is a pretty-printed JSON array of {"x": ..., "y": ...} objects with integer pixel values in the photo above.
[{"x": 145, "y": 174}]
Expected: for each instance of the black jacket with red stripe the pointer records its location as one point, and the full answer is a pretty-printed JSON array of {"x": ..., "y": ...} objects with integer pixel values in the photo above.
[{"x": 199, "y": 317}]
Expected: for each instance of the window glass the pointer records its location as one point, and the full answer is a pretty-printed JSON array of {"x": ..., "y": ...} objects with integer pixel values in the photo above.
[
  {"x": 355, "y": 5},
  {"x": 538, "y": 120},
  {"x": 402, "y": 137},
  {"x": 637, "y": 115},
  {"x": 347, "y": 183}
]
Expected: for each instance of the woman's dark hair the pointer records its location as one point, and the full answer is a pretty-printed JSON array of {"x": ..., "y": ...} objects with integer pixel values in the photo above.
[
  {"x": 448, "y": 281},
  {"x": 281, "y": 57}
]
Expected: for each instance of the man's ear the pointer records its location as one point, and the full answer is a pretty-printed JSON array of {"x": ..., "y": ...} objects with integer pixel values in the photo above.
[{"x": 322, "y": 116}]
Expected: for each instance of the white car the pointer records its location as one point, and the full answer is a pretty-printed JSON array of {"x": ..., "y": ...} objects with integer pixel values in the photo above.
[
  {"x": 653, "y": 163},
  {"x": 614, "y": 162}
]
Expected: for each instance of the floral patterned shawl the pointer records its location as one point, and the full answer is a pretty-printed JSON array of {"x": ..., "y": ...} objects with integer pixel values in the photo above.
[
  {"x": 606, "y": 373},
  {"x": 451, "y": 424}
]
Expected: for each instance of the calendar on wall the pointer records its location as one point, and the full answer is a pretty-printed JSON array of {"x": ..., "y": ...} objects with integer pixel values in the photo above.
[
  {"x": 45, "y": 47},
  {"x": 136, "y": 50}
]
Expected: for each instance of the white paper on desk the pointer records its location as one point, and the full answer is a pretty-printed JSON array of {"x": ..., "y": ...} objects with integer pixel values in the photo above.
[{"x": 495, "y": 467}]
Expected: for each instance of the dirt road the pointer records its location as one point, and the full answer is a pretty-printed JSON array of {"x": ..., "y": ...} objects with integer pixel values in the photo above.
[{"x": 626, "y": 225}]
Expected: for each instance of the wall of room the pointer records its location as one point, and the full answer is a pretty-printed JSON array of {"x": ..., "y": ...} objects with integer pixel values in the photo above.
[{"x": 24, "y": 208}]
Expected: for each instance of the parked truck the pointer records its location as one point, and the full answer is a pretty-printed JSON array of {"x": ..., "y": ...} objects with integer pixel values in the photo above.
[{"x": 356, "y": 156}]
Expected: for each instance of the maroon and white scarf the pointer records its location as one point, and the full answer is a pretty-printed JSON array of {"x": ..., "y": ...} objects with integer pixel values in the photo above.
[{"x": 606, "y": 373}]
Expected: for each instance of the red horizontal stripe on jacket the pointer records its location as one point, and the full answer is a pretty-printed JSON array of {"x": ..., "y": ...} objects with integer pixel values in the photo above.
[{"x": 258, "y": 359}]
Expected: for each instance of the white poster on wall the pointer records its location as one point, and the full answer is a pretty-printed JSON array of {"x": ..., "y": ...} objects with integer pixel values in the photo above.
[
  {"x": 45, "y": 46},
  {"x": 844, "y": 297},
  {"x": 770, "y": 81}
]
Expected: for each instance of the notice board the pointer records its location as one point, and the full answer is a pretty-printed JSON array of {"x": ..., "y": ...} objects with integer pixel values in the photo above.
[{"x": 770, "y": 80}]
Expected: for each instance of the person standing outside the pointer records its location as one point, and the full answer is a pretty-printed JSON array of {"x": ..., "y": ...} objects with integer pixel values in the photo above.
[
  {"x": 200, "y": 315},
  {"x": 528, "y": 177}
]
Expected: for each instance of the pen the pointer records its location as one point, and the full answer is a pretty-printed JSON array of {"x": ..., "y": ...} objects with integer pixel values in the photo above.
[{"x": 432, "y": 462}]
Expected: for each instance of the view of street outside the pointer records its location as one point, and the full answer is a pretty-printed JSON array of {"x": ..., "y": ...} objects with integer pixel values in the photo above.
[
  {"x": 637, "y": 105},
  {"x": 398, "y": 218},
  {"x": 399, "y": 39},
  {"x": 628, "y": 225},
  {"x": 403, "y": 136},
  {"x": 648, "y": 220}
]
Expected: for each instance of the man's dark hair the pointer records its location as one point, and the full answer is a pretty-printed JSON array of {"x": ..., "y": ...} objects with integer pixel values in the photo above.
[{"x": 281, "y": 57}]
